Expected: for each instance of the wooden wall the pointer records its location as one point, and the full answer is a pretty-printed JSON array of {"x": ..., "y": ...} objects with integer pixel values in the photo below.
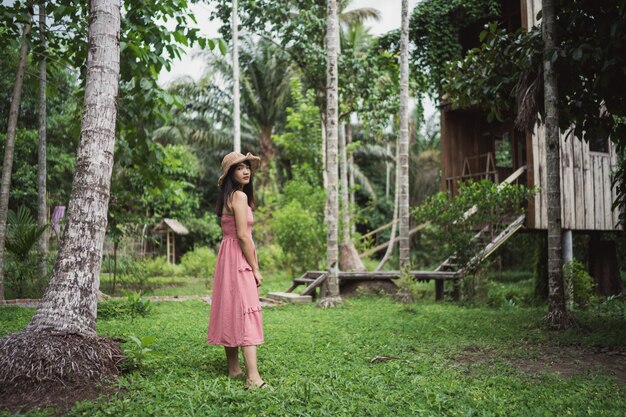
[{"x": 586, "y": 192}]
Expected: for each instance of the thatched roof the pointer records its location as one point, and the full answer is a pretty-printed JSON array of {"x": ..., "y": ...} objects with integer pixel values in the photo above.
[{"x": 173, "y": 225}]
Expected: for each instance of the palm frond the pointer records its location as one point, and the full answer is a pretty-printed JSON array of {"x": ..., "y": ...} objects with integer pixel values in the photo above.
[{"x": 361, "y": 179}]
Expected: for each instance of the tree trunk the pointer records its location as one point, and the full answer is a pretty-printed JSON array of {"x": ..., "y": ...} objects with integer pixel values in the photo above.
[
  {"x": 351, "y": 177},
  {"x": 557, "y": 317},
  {"x": 42, "y": 209},
  {"x": 330, "y": 289},
  {"x": 69, "y": 304},
  {"x": 394, "y": 223},
  {"x": 266, "y": 146},
  {"x": 7, "y": 165},
  {"x": 236, "y": 106},
  {"x": 324, "y": 160},
  {"x": 345, "y": 204},
  {"x": 403, "y": 153},
  {"x": 349, "y": 259}
]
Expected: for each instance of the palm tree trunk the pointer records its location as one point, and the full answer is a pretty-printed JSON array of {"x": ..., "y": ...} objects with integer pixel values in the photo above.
[
  {"x": 69, "y": 304},
  {"x": 351, "y": 176},
  {"x": 236, "y": 105},
  {"x": 42, "y": 210},
  {"x": 403, "y": 152},
  {"x": 387, "y": 173},
  {"x": 396, "y": 201},
  {"x": 558, "y": 316},
  {"x": 324, "y": 160},
  {"x": 330, "y": 289},
  {"x": 349, "y": 259},
  {"x": 266, "y": 146},
  {"x": 9, "y": 148},
  {"x": 345, "y": 204}
]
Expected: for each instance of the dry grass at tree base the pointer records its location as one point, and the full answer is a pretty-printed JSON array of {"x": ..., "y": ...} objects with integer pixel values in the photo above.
[{"x": 39, "y": 369}]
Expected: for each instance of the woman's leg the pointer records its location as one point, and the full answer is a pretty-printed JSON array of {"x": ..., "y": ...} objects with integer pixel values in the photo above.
[
  {"x": 252, "y": 372},
  {"x": 232, "y": 358}
]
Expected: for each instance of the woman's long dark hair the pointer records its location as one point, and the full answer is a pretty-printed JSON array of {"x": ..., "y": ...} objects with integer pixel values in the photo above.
[{"x": 229, "y": 186}]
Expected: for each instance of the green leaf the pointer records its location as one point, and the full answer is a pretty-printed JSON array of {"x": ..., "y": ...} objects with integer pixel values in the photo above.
[{"x": 222, "y": 45}]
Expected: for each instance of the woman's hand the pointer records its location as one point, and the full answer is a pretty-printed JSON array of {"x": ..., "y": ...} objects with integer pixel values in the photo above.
[{"x": 258, "y": 277}]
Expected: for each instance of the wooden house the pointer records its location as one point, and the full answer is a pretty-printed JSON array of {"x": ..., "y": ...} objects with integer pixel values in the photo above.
[{"x": 472, "y": 148}]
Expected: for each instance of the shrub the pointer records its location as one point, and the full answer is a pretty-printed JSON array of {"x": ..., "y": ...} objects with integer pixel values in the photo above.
[
  {"x": 199, "y": 263},
  {"x": 134, "y": 305},
  {"x": 271, "y": 258},
  {"x": 137, "y": 350},
  {"x": 159, "y": 267},
  {"x": 301, "y": 236},
  {"x": 575, "y": 275}
]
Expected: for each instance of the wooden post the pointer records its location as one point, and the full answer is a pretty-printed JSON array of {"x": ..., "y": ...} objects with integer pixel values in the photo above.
[
  {"x": 168, "y": 246},
  {"x": 438, "y": 289}
]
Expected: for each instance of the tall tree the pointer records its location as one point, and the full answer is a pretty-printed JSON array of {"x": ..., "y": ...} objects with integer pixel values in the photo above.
[
  {"x": 60, "y": 343},
  {"x": 42, "y": 210},
  {"x": 7, "y": 165},
  {"x": 330, "y": 289},
  {"x": 69, "y": 304},
  {"x": 403, "y": 147},
  {"x": 266, "y": 74},
  {"x": 236, "y": 105},
  {"x": 558, "y": 316}
]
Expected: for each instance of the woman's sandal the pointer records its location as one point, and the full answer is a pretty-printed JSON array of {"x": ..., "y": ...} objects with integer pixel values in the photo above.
[{"x": 264, "y": 385}]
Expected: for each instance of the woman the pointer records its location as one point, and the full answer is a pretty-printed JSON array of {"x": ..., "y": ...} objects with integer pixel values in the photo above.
[{"x": 235, "y": 319}]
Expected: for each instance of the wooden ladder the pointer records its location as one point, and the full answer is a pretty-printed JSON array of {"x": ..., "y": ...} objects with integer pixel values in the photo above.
[{"x": 490, "y": 246}]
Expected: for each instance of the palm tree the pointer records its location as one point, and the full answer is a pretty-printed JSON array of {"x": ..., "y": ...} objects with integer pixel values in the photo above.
[
  {"x": 558, "y": 316},
  {"x": 42, "y": 218},
  {"x": 236, "y": 106},
  {"x": 330, "y": 289},
  {"x": 60, "y": 343},
  {"x": 266, "y": 90},
  {"x": 7, "y": 165},
  {"x": 403, "y": 151}
]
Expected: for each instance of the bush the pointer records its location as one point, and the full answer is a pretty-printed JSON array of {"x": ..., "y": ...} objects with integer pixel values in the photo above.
[
  {"x": 199, "y": 263},
  {"x": 159, "y": 267},
  {"x": 575, "y": 275},
  {"x": 271, "y": 258},
  {"x": 301, "y": 236},
  {"x": 134, "y": 305}
]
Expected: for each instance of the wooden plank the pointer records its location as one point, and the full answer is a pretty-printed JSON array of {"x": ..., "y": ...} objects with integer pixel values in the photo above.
[
  {"x": 579, "y": 189},
  {"x": 542, "y": 178},
  {"x": 384, "y": 245},
  {"x": 569, "y": 202},
  {"x": 598, "y": 198},
  {"x": 606, "y": 190},
  {"x": 312, "y": 286},
  {"x": 290, "y": 297},
  {"x": 396, "y": 274},
  {"x": 588, "y": 188},
  {"x": 615, "y": 213},
  {"x": 530, "y": 180}
]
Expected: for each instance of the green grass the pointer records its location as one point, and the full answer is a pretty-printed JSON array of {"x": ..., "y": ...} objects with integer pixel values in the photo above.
[{"x": 319, "y": 363}]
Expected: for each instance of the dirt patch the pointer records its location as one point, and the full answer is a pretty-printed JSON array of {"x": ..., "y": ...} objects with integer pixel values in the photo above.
[
  {"x": 368, "y": 287},
  {"x": 565, "y": 361}
]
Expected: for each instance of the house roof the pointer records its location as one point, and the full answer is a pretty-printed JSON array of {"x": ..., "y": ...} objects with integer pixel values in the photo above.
[{"x": 173, "y": 225}]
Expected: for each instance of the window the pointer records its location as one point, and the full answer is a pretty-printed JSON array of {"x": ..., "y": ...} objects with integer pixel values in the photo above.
[
  {"x": 599, "y": 145},
  {"x": 504, "y": 157}
]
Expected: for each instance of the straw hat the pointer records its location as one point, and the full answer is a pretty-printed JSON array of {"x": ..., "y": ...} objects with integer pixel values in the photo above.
[{"x": 235, "y": 158}]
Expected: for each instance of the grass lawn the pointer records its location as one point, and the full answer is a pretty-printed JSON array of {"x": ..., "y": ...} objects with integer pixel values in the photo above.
[{"x": 447, "y": 360}]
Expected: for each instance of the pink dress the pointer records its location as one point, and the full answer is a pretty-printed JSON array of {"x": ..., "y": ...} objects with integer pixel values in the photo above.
[{"x": 235, "y": 318}]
